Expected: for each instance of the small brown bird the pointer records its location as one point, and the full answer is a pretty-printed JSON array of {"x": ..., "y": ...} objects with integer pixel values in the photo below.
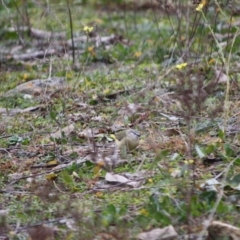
[{"x": 127, "y": 140}]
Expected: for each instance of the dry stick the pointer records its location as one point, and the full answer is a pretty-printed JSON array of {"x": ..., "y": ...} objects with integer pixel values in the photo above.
[
  {"x": 56, "y": 186},
  {"x": 140, "y": 165},
  {"x": 41, "y": 223},
  {"x": 71, "y": 30},
  {"x": 124, "y": 19},
  {"x": 25, "y": 2},
  {"x": 178, "y": 29}
]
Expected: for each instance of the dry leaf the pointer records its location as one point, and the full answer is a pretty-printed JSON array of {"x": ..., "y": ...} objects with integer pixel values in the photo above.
[
  {"x": 90, "y": 132},
  {"x": 51, "y": 176},
  {"x": 129, "y": 109},
  {"x": 116, "y": 178},
  {"x": 221, "y": 77},
  {"x": 67, "y": 130},
  {"x": 159, "y": 234},
  {"x": 52, "y": 163}
]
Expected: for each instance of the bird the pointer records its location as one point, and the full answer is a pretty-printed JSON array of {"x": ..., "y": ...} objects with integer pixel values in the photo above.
[{"x": 127, "y": 140}]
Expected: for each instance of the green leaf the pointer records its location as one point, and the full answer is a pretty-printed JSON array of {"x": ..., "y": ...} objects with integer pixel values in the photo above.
[
  {"x": 221, "y": 134},
  {"x": 89, "y": 164},
  {"x": 229, "y": 151},
  {"x": 53, "y": 115},
  {"x": 237, "y": 162},
  {"x": 209, "y": 149},
  {"x": 67, "y": 178},
  {"x": 111, "y": 209}
]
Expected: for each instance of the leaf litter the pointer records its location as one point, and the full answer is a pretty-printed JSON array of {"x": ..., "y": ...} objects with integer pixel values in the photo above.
[{"x": 76, "y": 123}]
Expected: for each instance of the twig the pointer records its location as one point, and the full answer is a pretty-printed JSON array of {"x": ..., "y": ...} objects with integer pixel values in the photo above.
[
  {"x": 71, "y": 30},
  {"x": 42, "y": 223},
  {"x": 55, "y": 185}
]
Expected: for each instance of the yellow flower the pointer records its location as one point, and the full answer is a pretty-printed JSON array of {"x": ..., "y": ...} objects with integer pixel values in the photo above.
[
  {"x": 88, "y": 29},
  {"x": 190, "y": 161},
  {"x": 144, "y": 212},
  {"x": 181, "y": 66},
  {"x": 91, "y": 51},
  {"x": 150, "y": 180},
  {"x": 25, "y": 76},
  {"x": 211, "y": 61},
  {"x": 99, "y": 194},
  {"x": 200, "y": 7},
  {"x": 106, "y": 91},
  {"x": 91, "y": 48},
  {"x": 137, "y": 54}
]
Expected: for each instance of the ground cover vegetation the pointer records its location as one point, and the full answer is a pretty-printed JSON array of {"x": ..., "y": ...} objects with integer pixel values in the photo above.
[{"x": 118, "y": 118}]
